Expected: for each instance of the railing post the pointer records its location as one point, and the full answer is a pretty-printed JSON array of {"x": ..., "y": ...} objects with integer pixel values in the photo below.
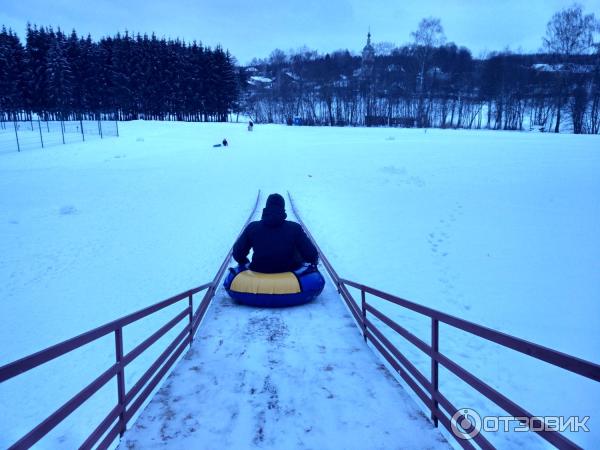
[
  {"x": 120, "y": 379},
  {"x": 435, "y": 346},
  {"x": 363, "y": 304},
  {"x": 82, "y": 133},
  {"x": 191, "y": 303}
]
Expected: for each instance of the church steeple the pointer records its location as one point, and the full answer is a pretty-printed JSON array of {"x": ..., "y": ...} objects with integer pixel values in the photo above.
[
  {"x": 367, "y": 77},
  {"x": 368, "y": 54}
]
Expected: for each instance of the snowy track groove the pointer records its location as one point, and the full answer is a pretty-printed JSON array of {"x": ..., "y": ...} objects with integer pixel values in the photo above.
[{"x": 281, "y": 378}]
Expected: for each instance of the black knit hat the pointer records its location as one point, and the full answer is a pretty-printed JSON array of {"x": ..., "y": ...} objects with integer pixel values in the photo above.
[{"x": 275, "y": 202}]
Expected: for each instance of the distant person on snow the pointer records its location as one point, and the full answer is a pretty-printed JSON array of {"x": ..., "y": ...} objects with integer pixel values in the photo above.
[
  {"x": 250, "y": 126},
  {"x": 225, "y": 143},
  {"x": 279, "y": 245}
]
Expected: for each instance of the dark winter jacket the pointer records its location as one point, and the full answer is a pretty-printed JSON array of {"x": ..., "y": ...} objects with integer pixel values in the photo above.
[{"x": 279, "y": 245}]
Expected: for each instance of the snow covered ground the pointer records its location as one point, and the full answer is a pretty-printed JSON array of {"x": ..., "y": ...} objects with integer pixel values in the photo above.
[{"x": 496, "y": 227}]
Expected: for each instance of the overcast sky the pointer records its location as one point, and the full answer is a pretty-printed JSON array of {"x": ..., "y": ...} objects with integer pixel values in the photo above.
[{"x": 254, "y": 28}]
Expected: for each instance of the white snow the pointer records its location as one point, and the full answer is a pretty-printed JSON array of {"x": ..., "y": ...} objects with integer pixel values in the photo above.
[
  {"x": 544, "y": 67},
  {"x": 573, "y": 68},
  {"x": 293, "y": 75},
  {"x": 261, "y": 79},
  {"x": 500, "y": 228}
]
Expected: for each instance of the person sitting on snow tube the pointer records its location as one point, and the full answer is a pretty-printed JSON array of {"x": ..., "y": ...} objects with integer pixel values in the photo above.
[
  {"x": 274, "y": 289},
  {"x": 283, "y": 269}
]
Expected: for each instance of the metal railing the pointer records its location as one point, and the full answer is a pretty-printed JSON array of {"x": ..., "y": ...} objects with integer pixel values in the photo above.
[
  {"x": 427, "y": 389},
  {"x": 128, "y": 402}
]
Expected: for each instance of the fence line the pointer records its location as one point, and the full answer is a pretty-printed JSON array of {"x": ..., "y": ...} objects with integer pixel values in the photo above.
[{"x": 31, "y": 134}]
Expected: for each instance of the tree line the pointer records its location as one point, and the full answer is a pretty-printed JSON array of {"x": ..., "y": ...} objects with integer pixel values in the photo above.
[
  {"x": 431, "y": 83},
  {"x": 427, "y": 83},
  {"x": 59, "y": 76}
]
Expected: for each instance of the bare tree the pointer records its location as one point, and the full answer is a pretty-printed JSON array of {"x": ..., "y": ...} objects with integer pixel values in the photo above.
[
  {"x": 384, "y": 48},
  {"x": 429, "y": 35},
  {"x": 569, "y": 33}
]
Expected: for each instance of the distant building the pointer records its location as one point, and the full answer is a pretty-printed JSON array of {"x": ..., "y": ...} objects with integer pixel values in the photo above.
[
  {"x": 368, "y": 59},
  {"x": 366, "y": 79}
]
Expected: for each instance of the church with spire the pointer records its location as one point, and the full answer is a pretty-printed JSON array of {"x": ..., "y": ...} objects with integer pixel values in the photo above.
[
  {"x": 366, "y": 78},
  {"x": 368, "y": 58}
]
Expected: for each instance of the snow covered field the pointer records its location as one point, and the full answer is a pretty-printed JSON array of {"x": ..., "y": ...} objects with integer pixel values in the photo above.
[{"x": 499, "y": 228}]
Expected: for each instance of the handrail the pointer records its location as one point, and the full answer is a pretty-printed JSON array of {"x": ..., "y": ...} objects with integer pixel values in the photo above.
[
  {"x": 29, "y": 362},
  {"x": 128, "y": 402},
  {"x": 429, "y": 392},
  {"x": 571, "y": 363}
]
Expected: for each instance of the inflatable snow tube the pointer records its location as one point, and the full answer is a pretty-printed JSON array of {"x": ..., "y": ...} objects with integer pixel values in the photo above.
[{"x": 274, "y": 289}]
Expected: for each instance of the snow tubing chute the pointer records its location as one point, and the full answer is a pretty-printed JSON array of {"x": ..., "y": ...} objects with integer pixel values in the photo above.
[{"x": 274, "y": 289}]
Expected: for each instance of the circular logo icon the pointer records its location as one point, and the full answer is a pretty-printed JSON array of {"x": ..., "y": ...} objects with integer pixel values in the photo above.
[{"x": 466, "y": 423}]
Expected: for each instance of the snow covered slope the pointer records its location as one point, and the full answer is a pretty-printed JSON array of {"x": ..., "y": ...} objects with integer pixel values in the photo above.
[
  {"x": 287, "y": 378},
  {"x": 500, "y": 228}
]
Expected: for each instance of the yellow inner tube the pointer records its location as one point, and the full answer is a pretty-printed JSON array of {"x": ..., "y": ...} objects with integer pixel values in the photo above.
[{"x": 265, "y": 283}]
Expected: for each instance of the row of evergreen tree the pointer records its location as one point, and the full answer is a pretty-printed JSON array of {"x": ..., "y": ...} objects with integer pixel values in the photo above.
[{"x": 122, "y": 77}]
